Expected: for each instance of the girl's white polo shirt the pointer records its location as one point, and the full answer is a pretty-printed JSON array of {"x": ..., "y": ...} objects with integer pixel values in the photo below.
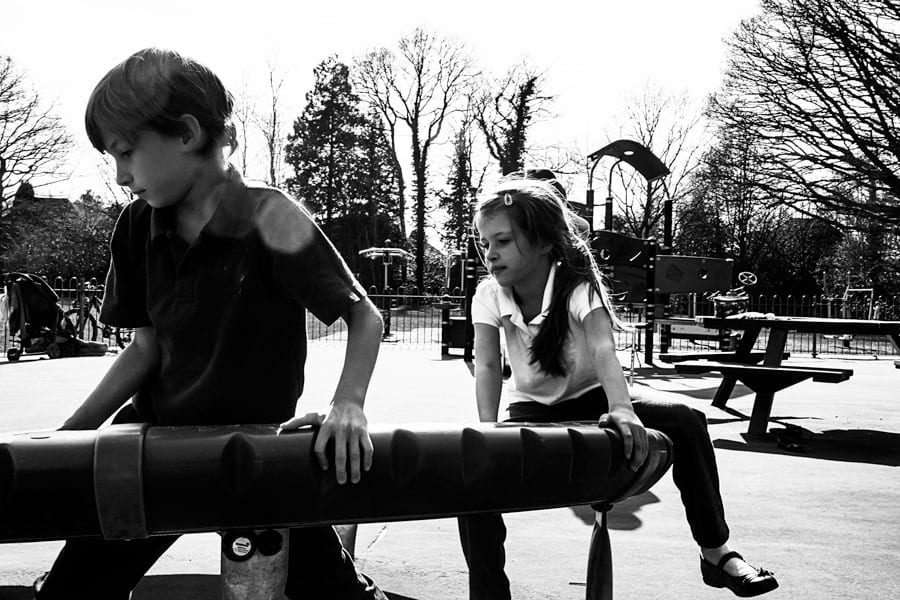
[{"x": 495, "y": 305}]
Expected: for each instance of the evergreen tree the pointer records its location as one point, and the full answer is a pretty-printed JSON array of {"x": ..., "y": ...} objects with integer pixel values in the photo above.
[
  {"x": 342, "y": 168},
  {"x": 457, "y": 199},
  {"x": 322, "y": 147}
]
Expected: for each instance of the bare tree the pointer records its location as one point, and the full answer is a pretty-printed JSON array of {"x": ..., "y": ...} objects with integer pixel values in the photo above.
[
  {"x": 244, "y": 117},
  {"x": 272, "y": 125},
  {"x": 505, "y": 109},
  {"x": 668, "y": 126},
  {"x": 372, "y": 76},
  {"x": 817, "y": 81},
  {"x": 419, "y": 87},
  {"x": 33, "y": 141}
]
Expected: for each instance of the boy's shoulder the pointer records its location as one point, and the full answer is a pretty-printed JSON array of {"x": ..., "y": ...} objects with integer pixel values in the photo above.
[
  {"x": 283, "y": 222},
  {"x": 273, "y": 198}
]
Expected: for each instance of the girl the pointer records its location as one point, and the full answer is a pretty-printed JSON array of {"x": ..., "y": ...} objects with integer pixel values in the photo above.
[{"x": 545, "y": 293}]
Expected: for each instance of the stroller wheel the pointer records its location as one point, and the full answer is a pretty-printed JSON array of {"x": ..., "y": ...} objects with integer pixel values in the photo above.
[
  {"x": 13, "y": 354},
  {"x": 53, "y": 350}
]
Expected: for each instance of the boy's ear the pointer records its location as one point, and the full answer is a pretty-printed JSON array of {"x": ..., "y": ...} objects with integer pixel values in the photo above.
[{"x": 193, "y": 137}]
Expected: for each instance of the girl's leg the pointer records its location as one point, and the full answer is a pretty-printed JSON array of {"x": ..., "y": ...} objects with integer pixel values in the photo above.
[
  {"x": 482, "y": 537},
  {"x": 696, "y": 475},
  {"x": 694, "y": 468}
]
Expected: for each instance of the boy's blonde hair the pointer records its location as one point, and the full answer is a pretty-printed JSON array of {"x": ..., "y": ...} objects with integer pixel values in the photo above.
[{"x": 151, "y": 90}]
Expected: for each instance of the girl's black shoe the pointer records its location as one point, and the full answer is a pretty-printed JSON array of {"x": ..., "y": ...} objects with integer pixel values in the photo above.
[{"x": 743, "y": 586}]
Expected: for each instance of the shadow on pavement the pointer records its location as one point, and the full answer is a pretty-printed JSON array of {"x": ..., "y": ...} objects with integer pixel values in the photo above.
[
  {"x": 847, "y": 445},
  {"x": 158, "y": 587},
  {"x": 15, "y": 592},
  {"x": 705, "y": 393},
  {"x": 178, "y": 587},
  {"x": 623, "y": 515}
]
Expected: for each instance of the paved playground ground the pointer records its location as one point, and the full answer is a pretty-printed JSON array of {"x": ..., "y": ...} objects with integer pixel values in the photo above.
[{"x": 823, "y": 517}]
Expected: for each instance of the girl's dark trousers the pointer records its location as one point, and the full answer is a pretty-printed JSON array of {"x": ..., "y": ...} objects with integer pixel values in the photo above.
[
  {"x": 318, "y": 565},
  {"x": 693, "y": 470}
]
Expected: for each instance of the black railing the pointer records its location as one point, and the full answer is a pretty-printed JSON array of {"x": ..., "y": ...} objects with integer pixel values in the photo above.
[
  {"x": 881, "y": 308},
  {"x": 415, "y": 320},
  {"x": 886, "y": 308},
  {"x": 410, "y": 320}
]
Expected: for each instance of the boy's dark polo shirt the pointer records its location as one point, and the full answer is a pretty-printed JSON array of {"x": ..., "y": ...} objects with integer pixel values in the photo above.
[{"x": 228, "y": 312}]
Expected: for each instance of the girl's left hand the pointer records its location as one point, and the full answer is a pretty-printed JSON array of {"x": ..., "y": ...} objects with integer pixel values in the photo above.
[{"x": 634, "y": 436}]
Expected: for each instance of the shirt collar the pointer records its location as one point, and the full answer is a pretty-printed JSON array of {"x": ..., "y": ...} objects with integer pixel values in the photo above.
[
  {"x": 225, "y": 220},
  {"x": 509, "y": 308}
]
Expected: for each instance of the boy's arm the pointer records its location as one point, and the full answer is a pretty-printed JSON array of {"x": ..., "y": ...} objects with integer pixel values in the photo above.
[
  {"x": 488, "y": 372},
  {"x": 601, "y": 343},
  {"x": 123, "y": 379},
  {"x": 346, "y": 422}
]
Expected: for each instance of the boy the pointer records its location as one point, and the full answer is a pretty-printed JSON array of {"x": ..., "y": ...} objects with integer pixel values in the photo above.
[{"x": 215, "y": 278}]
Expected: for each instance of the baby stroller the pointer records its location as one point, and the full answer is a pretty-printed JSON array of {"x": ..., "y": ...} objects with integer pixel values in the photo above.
[{"x": 38, "y": 321}]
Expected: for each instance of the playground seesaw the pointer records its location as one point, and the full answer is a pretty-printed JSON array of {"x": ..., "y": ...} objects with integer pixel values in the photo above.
[{"x": 134, "y": 481}]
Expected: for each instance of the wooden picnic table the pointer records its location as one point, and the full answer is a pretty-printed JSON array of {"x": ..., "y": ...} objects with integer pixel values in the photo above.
[{"x": 772, "y": 375}]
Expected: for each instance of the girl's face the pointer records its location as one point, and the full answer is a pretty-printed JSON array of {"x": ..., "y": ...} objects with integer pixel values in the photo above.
[
  {"x": 509, "y": 256},
  {"x": 155, "y": 167}
]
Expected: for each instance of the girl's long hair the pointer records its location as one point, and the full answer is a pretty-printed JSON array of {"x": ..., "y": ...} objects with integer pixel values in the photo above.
[{"x": 538, "y": 211}]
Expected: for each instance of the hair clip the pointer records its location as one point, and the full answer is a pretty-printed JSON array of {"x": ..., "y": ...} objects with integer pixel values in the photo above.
[{"x": 507, "y": 199}]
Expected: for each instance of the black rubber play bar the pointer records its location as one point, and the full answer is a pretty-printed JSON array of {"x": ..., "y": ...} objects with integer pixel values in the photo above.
[{"x": 134, "y": 481}]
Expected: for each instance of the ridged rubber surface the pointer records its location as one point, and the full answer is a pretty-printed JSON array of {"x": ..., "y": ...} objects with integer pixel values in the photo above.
[{"x": 214, "y": 478}]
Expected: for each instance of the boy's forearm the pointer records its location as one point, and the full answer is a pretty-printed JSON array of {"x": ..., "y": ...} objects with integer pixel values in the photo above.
[
  {"x": 130, "y": 369},
  {"x": 364, "y": 329}
]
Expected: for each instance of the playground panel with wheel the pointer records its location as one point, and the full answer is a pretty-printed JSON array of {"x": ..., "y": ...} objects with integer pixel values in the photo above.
[{"x": 638, "y": 274}]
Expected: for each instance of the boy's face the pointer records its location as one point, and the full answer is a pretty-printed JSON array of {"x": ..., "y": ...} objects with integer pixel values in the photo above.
[
  {"x": 156, "y": 167},
  {"x": 508, "y": 255}
]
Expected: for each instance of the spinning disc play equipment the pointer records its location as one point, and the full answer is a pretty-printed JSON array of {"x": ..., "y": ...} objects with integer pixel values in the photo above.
[
  {"x": 118, "y": 482},
  {"x": 387, "y": 256}
]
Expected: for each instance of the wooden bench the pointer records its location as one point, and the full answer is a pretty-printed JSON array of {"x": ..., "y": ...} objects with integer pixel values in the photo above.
[
  {"x": 725, "y": 357},
  {"x": 765, "y": 381}
]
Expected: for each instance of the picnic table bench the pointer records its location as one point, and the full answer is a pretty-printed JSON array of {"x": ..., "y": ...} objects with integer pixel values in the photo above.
[
  {"x": 725, "y": 356},
  {"x": 765, "y": 381},
  {"x": 771, "y": 376}
]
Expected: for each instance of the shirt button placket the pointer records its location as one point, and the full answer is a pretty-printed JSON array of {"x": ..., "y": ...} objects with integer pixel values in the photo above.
[{"x": 184, "y": 281}]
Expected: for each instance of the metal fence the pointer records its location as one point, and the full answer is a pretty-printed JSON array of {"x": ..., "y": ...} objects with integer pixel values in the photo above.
[
  {"x": 412, "y": 320},
  {"x": 880, "y": 308},
  {"x": 417, "y": 320}
]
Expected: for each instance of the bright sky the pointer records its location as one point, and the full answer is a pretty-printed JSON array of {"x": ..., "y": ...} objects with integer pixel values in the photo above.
[{"x": 595, "y": 53}]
